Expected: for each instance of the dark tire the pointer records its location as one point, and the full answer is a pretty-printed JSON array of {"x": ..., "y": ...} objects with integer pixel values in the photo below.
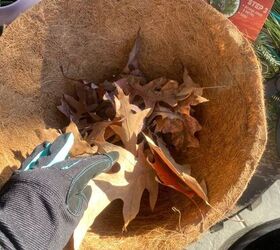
[{"x": 265, "y": 236}]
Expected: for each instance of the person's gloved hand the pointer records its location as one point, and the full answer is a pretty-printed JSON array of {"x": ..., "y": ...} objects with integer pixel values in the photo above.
[{"x": 44, "y": 200}]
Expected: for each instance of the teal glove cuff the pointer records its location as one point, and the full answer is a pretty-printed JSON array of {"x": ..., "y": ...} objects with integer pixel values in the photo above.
[
  {"x": 46, "y": 154},
  {"x": 80, "y": 170}
]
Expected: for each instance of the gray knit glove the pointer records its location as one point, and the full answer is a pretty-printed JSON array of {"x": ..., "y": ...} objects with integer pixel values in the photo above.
[{"x": 43, "y": 202}]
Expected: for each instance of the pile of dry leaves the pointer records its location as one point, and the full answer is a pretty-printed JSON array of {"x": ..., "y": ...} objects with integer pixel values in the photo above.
[{"x": 147, "y": 122}]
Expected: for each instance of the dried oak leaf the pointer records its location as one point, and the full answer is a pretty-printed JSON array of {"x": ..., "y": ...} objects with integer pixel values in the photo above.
[
  {"x": 181, "y": 133},
  {"x": 132, "y": 66},
  {"x": 132, "y": 121},
  {"x": 164, "y": 163},
  {"x": 134, "y": 176},
  {"x": 158, "y": 90},
  {"x": 163, "y": 90},
  {"x": 89, "y": 105},
  {"x": 80, "y": 146},
  {"x": 164, "y": 112},
  {"x": 172, "y": 131},
  {"x": 191, "y": 124},
  {"x": 193, "y": 93},
  {"x": 168, "y": 178},
  {"x": 98, "y": 135},
  {"x": 128, "y": 184},
  {"x": 179, "y": 123},
  {"x": 179, "y": 127},
  {"x": 168, "y": 125},
  {"x": 47, "y": 134},
  {"x": 72, "y": 108}
]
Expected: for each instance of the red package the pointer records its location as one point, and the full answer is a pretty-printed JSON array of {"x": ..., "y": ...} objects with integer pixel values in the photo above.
[{"x": 248, "y": 15}]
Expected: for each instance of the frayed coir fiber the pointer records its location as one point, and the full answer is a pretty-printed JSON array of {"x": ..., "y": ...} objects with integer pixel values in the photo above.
[{"x": 91, "y": 40}]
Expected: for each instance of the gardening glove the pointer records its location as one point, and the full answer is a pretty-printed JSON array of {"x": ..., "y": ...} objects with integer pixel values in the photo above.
[
  {"x": 11, "y": 9},
  {"x": 44, "y": 200}
]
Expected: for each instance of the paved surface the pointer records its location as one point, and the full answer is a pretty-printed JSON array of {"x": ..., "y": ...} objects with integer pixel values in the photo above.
[{"x": 268, "y": 210}]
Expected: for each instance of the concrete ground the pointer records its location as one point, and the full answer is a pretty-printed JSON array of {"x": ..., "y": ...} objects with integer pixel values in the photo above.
[{"x": 267, "y": 210}]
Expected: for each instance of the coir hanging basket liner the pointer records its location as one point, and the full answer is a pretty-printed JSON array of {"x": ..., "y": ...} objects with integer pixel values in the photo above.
[{"x": 91, "y": 40}]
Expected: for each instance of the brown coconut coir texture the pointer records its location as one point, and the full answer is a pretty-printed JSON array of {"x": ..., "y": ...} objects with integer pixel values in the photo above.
[{"x": 91, "y": 40}]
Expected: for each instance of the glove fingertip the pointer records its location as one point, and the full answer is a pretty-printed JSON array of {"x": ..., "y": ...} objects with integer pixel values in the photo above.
[
  {"x": 114, "y": 156},
  {"x": 87, "y": 192}
]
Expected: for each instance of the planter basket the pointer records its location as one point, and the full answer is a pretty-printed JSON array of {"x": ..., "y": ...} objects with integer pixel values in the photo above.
[{"x": 91, "y": 40}]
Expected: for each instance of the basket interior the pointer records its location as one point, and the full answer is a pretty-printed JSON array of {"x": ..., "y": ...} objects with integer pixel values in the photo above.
[{"x": 91, "y": 40}]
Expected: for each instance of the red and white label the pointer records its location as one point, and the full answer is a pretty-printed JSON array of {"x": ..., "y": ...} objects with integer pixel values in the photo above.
[{"x": 251, "y": 16}]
